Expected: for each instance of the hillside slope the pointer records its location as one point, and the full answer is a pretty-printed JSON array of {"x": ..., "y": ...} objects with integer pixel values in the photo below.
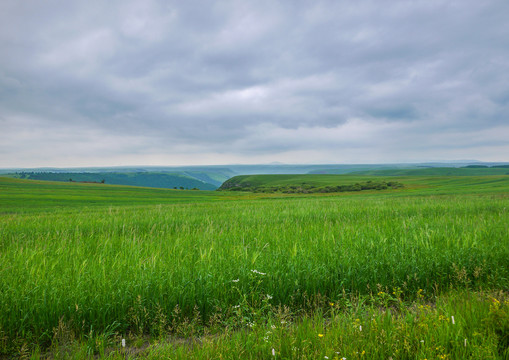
[
  {"x": 305, "y": 183},
  {"x": 146, "y": 179},
  {"x": 438, "y": 171},
  {"x": 431, "y": 184}
]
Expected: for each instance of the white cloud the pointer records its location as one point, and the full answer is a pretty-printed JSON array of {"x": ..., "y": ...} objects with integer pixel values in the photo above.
[{"x": 330, "y": 81}]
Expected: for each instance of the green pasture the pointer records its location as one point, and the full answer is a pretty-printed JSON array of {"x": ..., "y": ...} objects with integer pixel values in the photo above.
[
  {"x": 94, "y": 261},
  {"x": 438, "y": 171},
  {"x": 32, "y": 196},
  {"x": 419, "y": 185}
]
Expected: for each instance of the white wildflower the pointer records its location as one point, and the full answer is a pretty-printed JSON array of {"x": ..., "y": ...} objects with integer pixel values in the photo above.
[
  {"x": 273, "y": 352},
  {"x": 452, "y": 318},
  {"x": 258, "y": 272},
  {"x": 236, "y": 280},
  {"x": 123, "y": 342},
  {"x": 269, "y": 297}
]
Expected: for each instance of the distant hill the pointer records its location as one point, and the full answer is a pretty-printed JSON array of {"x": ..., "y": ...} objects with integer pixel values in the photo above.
[
  {"x": 304, "y": 183},
  {"x": 209, "y": 177},
  {"x": 146, "y": 179},
  {"x": 438, "y": 171},
  {"x": 213, "y": 175},
  {"x": 215, "y": 178}
]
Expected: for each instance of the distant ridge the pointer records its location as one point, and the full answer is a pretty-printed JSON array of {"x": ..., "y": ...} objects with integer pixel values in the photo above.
[
  {"x": 146, "y": 179},
  {"x": 210, "y": 177}
]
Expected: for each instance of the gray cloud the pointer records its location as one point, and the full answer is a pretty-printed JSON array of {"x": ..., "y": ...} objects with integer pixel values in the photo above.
[{"x": 157, "y": 82}]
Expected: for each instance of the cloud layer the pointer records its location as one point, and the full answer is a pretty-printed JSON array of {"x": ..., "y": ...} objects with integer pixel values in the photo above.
[{"x": 197, "y": 82}]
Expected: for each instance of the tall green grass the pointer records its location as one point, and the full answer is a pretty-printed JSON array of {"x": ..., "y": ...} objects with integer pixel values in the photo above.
[{"x": 125, "y": 269}]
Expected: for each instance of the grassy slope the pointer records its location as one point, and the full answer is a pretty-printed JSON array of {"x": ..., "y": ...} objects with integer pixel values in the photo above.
[
  {"x": 413, "y": 184},
  {"x": 147, "y": 179},
  {"x": 445, "y": 171},
  {"x": 111, "y": 257},
  {"x": 18, "y": 195}
]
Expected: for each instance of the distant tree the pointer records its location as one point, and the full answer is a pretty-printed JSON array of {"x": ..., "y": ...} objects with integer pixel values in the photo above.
[
  {"x": 70, "y": 180},
  {"x": 181, "y": 188},
  {"x": 102, "y": 181}
]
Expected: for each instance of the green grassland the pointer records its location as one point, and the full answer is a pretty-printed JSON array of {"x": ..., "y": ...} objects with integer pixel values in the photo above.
[
  {"x": 17, "y": 196},
  {"x": 418, "y": 170},
  {"x": 203, "y": 274},
  {"x": 420, "y": 185},
  {"x": 440, "y": 171}
]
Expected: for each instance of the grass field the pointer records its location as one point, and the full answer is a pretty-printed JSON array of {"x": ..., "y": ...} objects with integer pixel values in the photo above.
[
  {"x": 18, "y": 196},
  {"x": 420, "y": 185},
  {"x": 207, "y": 274},
  {"x": 434, "y": 171}
]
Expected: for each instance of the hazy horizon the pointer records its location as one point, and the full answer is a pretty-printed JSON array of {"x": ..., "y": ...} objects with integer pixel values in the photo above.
[
  {"x": 275, "y": 164},
  {"x": 168, "y": 83}
]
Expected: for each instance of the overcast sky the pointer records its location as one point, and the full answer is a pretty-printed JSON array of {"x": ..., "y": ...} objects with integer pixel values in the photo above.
[{"x": 103, "y": 83}]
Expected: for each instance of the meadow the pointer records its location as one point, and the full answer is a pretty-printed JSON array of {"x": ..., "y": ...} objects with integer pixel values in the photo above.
[{"x": 418, "y": 272}]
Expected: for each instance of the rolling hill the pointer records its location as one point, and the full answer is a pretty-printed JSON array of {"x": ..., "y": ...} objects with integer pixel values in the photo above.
[{"x": 146, "y": 179}]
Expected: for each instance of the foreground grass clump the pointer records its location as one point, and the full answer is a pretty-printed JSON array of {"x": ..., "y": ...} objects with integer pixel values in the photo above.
[{"x": 459, "y": 325}]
